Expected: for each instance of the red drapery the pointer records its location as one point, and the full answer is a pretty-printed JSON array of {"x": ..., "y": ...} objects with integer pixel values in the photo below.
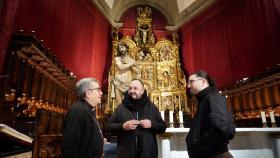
[
  {"x": 129, "y": 23},
  {"x": 232, "y": 40},
  {"x": 74, "y": 30},
  {"x": 7, "y": 16}
]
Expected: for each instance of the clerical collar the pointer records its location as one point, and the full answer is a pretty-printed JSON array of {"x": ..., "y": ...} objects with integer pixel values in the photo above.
[{"x": 88, "y": 105}]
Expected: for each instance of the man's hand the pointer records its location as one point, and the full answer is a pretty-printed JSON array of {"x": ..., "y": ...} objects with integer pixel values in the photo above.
[
  {"x": 146, "y": 123},
  {"x": 131, "y": 124}
]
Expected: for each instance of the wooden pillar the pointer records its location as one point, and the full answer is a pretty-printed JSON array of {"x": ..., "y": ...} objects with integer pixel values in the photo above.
[
  {"x": 245, "y": 104},
  {"x": 251, "y": 100},
  {"x": 229, "y": 103},
  {"x": 258, "y": 99},
  {"x": 236, "y": 103},
  {"x": 275, "y": 94},
  {"x": 267, "y": 101}
]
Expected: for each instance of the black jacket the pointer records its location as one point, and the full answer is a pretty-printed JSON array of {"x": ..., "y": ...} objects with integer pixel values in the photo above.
[
  {"x": 141, "y": 140},
  {"x": 82, "y": 137},
  {"x": 213, "y": 126}
]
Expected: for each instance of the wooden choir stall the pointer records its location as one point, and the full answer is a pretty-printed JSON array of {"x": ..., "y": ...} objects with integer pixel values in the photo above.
[{"x": 36, "y": 91}]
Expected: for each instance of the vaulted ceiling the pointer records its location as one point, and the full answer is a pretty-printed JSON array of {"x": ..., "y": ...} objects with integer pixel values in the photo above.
[{"x": 177, "y": 12}]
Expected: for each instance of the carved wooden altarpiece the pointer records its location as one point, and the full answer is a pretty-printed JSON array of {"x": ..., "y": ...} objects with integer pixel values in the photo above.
[{"x": 157, "y": 63}]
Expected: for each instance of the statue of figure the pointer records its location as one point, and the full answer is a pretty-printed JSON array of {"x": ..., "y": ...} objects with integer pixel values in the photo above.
[
  {"x": 137, "y": 39},
  {"x": 181, "y": 79},
  {"x": 166, "y": 103},
  {"x": 149, "y": 57},
  {"x": 126, "y": 70},
  {"x": 156, "y": 101},
  {"x": 144, "y": 74},
  {"x": 176, "y": 103},
  {"x": 166, "y": 79},
  {"x": 115, "y": 34},
  {"x": 152, "y": 39},
  {"x": 144, "y": 55},
  {"x": 141, "y": 55},
  {"x": 165, "y": 53},
  {"x": 175, "y": 38},
  {"x": 139, "y": 10},
  {"x": 144, "y": 32}
]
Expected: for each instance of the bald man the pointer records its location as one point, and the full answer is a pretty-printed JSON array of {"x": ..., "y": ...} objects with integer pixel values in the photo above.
[{"x": 136, "y": 121}]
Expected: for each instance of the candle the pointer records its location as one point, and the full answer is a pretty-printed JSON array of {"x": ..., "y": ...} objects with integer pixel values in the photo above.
[
  {"x": 180, "y": 116},
  {"x": 180, "y": 108},
  {"x": 170, "y": 116},
  {"x": 271, "y": 114},
  {"x": 162, "y": 114},
  {"x": 263, "y": 116}
]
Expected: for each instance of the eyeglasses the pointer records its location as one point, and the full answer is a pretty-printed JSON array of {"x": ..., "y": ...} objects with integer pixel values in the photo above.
[
  {"x": 192, "y": 81},
  {"x": 98, "y": 89}
]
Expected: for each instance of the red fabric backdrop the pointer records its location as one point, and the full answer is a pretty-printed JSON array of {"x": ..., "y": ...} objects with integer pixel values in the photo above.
[
  {"x": 74, "y": 30},
  {"x": 7, "y": 14},
  {"x": 129, "y": 23},
  {"x": 233, "y": 39}
]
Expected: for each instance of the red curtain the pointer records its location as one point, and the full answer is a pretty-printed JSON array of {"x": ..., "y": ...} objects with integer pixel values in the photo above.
[
  {"x": 277, "y": 5},
  {"x": 7, "y": 16},
  {"x": 233, "y": 39},
  {"x": 129, "y": 23},
  {"x": 74, "y": 30}
]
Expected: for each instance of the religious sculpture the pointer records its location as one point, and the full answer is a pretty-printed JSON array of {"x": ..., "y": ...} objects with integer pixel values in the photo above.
[
  {"x": 126, "y": 70},
  {"x": 166, "y": 79}
]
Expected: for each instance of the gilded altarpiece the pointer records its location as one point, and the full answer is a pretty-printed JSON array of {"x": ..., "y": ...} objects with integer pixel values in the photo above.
[{"x": 156, "y": 64}]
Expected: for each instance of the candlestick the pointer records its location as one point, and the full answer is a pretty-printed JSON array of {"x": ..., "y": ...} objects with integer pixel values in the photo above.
[
  {"x": 263, "y": 119},
  {"x": 272, "y": 119},
  {"x": 263, "y": 116}
]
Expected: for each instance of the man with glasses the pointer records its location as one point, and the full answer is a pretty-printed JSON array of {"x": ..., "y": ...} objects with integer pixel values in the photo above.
[
  {"x": 136, "y": 121},
  {"x": 213, "y": 126},
  {"x": 82, "y": 137}
]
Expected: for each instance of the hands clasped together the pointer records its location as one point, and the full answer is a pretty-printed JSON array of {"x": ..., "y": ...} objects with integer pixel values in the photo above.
[{"x": 132, "y": 124}]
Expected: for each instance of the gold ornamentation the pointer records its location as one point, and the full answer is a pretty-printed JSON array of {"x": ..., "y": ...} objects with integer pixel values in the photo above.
[{"x": 157, "y": 64}]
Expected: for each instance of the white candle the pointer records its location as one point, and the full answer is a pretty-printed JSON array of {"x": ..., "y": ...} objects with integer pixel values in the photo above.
[
  {"x": 271, "y": 114},
  {"x": 263, "y": 116},
  {"x": 170, "y": 116},
  {"x": 162, "y": 114},
  {"x": 180, "y": 116}
]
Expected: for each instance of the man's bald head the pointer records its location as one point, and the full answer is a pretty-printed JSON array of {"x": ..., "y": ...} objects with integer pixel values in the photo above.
[{"x": 136, "y": 89}]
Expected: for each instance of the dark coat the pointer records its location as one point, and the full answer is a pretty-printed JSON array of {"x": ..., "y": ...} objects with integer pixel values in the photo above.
[
  {"x": 82, "y": 135},
  {"x": 141, "y": 140},
  {"x": 213, "y": 126}
]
